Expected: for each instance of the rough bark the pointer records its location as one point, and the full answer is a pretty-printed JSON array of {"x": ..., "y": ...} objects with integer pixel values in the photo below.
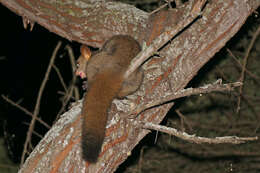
[{"x": 92, "y": 22}]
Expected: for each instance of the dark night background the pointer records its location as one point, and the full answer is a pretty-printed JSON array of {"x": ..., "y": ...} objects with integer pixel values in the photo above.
[{"x": 24, "y": 57}]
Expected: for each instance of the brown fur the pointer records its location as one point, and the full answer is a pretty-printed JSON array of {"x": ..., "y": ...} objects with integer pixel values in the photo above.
[{"x": 105, "y": 71}]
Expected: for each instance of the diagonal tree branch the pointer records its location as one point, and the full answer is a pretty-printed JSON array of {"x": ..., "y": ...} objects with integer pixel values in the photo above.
[
  {"x": 86, "y": 21},
  {"x": 196, "y": 139},
  {"x": 216, "y": 86}
]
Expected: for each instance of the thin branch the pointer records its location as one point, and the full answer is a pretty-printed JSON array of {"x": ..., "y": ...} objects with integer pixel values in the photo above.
[
  {"x": 141, "y": 158},
  {"x": 38, "y": 101},
  {"x": 67, "y": 96},
  {"x": 183, "y": 120},
  {"x": 196, "y": 139},
  {"x": 177, "y": 2},
  {"x": 216, "y": 86},
  {"x": 164, "y": 38},
  {"x": 25, "y": 111},
  {"x": 72, "y": 88},
  {"x": 244, "y": 66},
  {"x": 158, "y": 9},
  {"x": 255, "y": 77},
  {"x": 60, "y": 77},
  {"x": 34, "y": 132},
  {"x": 73, "y": 67},
  {"x": 72, "y": 59}
]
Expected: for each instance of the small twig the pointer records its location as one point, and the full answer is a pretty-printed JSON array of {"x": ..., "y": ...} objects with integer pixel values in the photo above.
[
  {"x": 244, "y": 66},
  {"x": 216, "y": 86},
  {"x": 69, "y": 93},
  {"x": 156, "y": 137},
  {"x": 196, "y": 139},
  {"x": 183, "y": 120},
  {"x": 25, "y": 111},
  {"x": 255, "y": 77},
  {"x": 34, "y": 132},
  {"x": 72, "y": 59},
  {"x": 164, "y": 38},
  {"x": 236, "y": 93},
  {"x": 67, "y": 97},
  {"x": 60, "y": 77},
  {"x": 140, "y": 162},
  {"x": 169, "y": 3},
  {"x": 38, "y": 101},
  {"x": 158, "y": 9},
  {"x": 74, "y": 67}
]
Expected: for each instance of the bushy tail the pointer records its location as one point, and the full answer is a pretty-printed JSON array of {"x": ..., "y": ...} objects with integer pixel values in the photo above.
[{"x": 96, "y": 104}]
